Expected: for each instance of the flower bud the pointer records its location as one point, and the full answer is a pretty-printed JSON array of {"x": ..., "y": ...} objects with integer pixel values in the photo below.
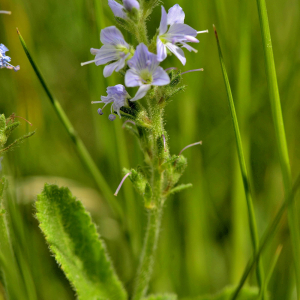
[
  {"x": 100, "y": 112},
  {"x": 130, "y": 4},
  {"x": 111, "y": 117}
]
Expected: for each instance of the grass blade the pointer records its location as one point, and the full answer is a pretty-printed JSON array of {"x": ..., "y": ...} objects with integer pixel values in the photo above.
[
  {"x": 267, "y": 236},
  {"x": 280, "y": 132},
  {"x": 80, "y": 147},
  {"x": 246, "y": 182}
]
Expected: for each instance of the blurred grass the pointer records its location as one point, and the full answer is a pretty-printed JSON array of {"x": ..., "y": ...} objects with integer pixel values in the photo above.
[{"x": 199, "y": 246}]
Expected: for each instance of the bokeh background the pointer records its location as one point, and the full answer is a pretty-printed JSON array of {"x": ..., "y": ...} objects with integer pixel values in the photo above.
[{"x": 204, "y": 243}]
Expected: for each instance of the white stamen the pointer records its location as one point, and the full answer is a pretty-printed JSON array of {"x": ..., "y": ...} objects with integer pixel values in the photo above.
[
  {"x": 5, "y": 12},
  {"x": 191, "y": 39},
  {"x": 88, "y": 62},
  {"x": 191, "y": 145},
  {"x": 172, "y": 68},
  {"x": 196, "y": 70},
  {"x": 120, "y": 185},
  {"x": 203, "y": 31},
  {"x": 128, "y": 121},
  {"x": 164, "y": 138}
]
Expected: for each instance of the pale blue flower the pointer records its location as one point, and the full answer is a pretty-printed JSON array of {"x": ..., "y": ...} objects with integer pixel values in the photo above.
[
  {"x": 173, "y": 33},
  {"x": 120, "y": 10},
  {"x": 4, "y": 59},
  {"x": 117, "y": 96},
  {"x": 114, "y": 49},
  {"x": 144, "y": 72}
]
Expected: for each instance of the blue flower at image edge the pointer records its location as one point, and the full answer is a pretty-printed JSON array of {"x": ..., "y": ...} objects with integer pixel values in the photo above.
[{"x": 4, "y": 59}]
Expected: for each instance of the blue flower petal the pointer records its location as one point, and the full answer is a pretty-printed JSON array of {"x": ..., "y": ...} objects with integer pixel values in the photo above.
[
  {"x": 176, "y": 15},
  {"x": 117, "y": 9}
]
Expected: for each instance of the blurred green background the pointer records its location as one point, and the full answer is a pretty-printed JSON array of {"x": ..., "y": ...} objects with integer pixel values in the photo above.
[{"x": 204, "y": 243}]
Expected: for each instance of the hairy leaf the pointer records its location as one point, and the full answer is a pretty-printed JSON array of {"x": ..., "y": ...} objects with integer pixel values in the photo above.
[{"x": 74, "y": 240}]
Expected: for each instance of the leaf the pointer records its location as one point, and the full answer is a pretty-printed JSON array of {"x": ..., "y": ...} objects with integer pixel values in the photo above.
[
  {"x": 74, "y": 240},
  {"x": 162, "y": 297},
  {"x": 247, "y": 293}
]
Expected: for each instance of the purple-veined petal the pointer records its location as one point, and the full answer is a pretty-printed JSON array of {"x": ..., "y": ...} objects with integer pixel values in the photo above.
[
  {"x": 94, "y": 51},
  {"x": 181, "y": 30},
  {"x": 161, "y": 50},
  {"x": 141, "y": 93},
  {"x": 117, "y": 9},
  {"x": 106, "y": 100},
  {"x": 130, "y": 4},
  {"x": 188, "y": 47},
  {"x": 112, "y": 36},
  {"x": 109, "y": 69},
  {"x": 106, "y": 54},
  {"x": 177, "y": 51},
  {"x": 160, "y": 77},
  {"x": 163, "y": 22},
  {"x": 121, "y": 63},
  {"x": 176, "y": 15},
  {"x": 143, "y": 59},
  {"x": 132, "y": 78}
]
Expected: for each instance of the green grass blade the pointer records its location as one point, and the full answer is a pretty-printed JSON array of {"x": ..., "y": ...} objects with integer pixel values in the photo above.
[
  {"x": 267, "y": 236},
  {"x": 280, "y": 132},
  {"x": 74, "y": 240},
  {"x": 80, "y": 147},
  {"x": 270, "y": 271},
  {"x": 246, "y": 182}
]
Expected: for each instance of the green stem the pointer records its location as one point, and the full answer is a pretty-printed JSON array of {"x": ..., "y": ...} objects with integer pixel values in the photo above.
[
  {"x": 280, "y": 133},
  {"x": 155, "y": 213},
  {"x": 80, "y": 147},
  {"x": 246, "y": 182},
  {"x": 147, "y": 257}
]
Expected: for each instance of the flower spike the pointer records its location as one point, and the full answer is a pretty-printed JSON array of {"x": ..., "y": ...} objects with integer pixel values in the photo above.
[{"x": 121, "y": 183}]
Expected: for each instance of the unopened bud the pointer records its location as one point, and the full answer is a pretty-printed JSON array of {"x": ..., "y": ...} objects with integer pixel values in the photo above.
[
  {"x": 130, "y": 4},
  {"x": 111, "y": 117}
]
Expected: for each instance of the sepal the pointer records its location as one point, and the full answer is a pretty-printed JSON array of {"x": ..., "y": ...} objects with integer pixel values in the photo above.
[{"x": 138, "y": 180}]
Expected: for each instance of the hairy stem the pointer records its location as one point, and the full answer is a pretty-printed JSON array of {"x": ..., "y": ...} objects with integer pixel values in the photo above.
[
  {"x": 155, "y": 212},
  {"x": 147, "y": 257}
]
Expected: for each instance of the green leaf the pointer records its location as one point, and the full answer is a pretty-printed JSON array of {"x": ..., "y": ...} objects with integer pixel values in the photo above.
[
  {"x": 74, "y": 240},
  {"x": 247, "y": 293},
  {"x": 162, "y": 297}
]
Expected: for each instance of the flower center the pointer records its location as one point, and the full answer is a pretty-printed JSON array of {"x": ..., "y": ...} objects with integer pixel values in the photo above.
[
  {"x": 146, "y": 76},
  {"x": 163, "y": 38}
]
